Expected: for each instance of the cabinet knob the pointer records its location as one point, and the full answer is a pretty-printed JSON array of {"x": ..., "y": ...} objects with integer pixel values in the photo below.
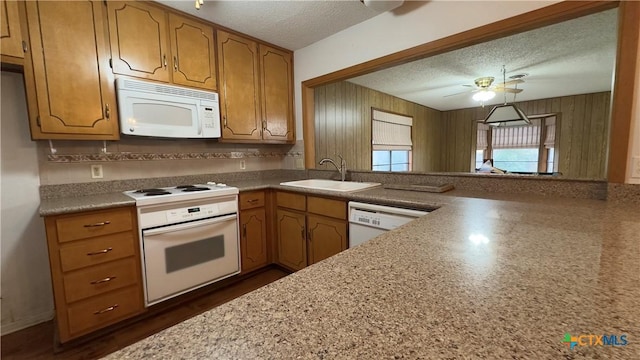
[
  {"x": 110, "y": 308},
  {"x": 224, "y": 119},
  {"x": 244, "y": 230},
  {"x": 302, "y": 234},
  {"x": 164, "y": 60},
  {"x": 99, "y": 224},
  {"x": 175, "y": 63},
  {"x": 99, "y": 252},
  {"x": 107, "y": 279},
  {"x": 107, "y": 112}
]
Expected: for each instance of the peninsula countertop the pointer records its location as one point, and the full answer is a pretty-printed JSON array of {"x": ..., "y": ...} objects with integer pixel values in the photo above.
[{"x": 496, "y": 278}]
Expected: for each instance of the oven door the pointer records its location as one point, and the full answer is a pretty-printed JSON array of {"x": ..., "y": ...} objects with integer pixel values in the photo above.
[{"x": 179, "y": 258}]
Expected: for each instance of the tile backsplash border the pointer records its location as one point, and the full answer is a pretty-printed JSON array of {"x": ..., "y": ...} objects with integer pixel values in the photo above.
[{"x": 128, "y": 156}]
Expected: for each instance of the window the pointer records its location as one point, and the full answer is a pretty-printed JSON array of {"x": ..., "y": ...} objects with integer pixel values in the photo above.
[
  {"x": 520, "y": 149},
  {"x": 391, "y": 145},
  {"x": 391, "y": 160}
]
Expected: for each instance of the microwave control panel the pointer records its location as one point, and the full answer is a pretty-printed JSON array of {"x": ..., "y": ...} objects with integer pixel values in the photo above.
[{"x": 210, "y": 120}]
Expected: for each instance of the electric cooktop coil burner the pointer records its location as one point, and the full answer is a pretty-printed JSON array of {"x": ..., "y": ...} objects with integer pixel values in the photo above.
[
  {"x": 194, "y": 188},
  {"x": 152, "y": 192}
]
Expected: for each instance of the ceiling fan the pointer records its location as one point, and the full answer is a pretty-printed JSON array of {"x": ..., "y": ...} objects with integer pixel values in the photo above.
[{"x": 485, "y": 90}]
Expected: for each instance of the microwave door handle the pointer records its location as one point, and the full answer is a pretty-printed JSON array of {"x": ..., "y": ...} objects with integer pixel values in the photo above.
[{"x": 172, "y": 228}]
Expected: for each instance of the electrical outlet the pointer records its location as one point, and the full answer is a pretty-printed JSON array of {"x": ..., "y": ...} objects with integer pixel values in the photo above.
[
  {"x": 299, "y": 163},
  {"x": 96, "y": 172},
  {"x": 243, "y": 165},
  {"x": 635, "y": 167}
]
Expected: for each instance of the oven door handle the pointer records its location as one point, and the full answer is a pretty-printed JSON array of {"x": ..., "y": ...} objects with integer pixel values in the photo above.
[{"x": 189, "y": 225}]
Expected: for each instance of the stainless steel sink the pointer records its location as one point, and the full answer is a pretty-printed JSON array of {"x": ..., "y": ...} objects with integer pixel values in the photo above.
[{"x": 331, "y": 185}]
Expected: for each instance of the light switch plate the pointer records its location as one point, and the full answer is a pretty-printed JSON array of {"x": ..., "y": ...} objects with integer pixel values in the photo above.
[
  {"x": 96, "y": 172},
  {"x": 635, "y": 167}
]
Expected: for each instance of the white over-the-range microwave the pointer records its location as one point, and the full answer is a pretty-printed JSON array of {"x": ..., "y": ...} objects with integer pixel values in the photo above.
[{"x": 153, "y": 109}]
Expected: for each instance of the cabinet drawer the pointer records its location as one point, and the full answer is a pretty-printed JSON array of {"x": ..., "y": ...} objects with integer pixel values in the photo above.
[
  {"x": 251, "y": 200},
  {"x": 93, "y": 224},
  {"x": 103, "y": 310},
  {"x": 291, "y": 201},
  {"x": 97, "y": 251},
  {"x": 327, "y": 207},
  {"x": 100, "y": 279}
]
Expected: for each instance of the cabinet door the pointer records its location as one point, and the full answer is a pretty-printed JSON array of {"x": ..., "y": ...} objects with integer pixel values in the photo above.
[
  {"x": 10, "y": 34},
  {"x": 327, "y": 237},
  {"x": 239, "y": 86},
  {"x": 138, "y": 40},
  {"x": 276, "y": 87},
  {"x": 292, "y": 243},
  {"x": 193, "y": 53},
  {"x": 69, "y": 70},
  {"x": 253, "y": 239}
]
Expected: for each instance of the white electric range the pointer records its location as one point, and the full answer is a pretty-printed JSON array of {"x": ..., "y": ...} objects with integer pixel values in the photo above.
[{"x": 188, "y": 237}]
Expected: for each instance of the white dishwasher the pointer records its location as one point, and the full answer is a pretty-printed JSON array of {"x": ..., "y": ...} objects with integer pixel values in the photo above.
[{"x": 367, "y": 221}]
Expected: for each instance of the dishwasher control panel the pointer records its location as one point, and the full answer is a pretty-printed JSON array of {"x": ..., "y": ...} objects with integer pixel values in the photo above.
[{"x": 379, "y": 216}]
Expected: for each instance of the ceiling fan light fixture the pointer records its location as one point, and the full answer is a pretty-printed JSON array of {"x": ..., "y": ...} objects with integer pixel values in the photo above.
[
  {"x": 507, "y": 115},
  {"x": 382, "y": 5},
  {"x": 483, "y": 95}
]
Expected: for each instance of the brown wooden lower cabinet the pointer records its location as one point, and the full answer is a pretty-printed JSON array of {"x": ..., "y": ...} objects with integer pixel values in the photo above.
[
  {"x": 95, "y": 269},
  {"x": 292, "y": 242},
  {"x": 254, "y": 230},
  {"x": 326, "y": 237},
  {"x": 310, "y": 229},
  {"x": 253, "y": 239}
]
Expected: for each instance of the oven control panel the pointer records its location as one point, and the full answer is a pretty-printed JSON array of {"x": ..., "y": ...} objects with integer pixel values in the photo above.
[{"x": 192, "y": 213}]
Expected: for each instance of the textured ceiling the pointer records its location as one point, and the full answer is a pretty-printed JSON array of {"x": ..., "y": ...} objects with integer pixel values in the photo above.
[
  {"x": 573, "y": 57},
  {"x": 289, "y": 24}
]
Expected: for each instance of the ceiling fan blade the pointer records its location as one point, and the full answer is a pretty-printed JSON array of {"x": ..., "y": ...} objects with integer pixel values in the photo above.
[
  {"x": 458, "y": 93},
  {"x": 509, "y": 90},
  {"x": 510, "y": 82}
]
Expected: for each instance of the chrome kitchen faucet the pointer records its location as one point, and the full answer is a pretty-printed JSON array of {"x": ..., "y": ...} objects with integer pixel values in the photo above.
[{"x": 342, "y": 169}]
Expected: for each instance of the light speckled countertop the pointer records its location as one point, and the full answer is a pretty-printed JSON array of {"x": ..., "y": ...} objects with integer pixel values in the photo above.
[{"x": 478, "y": 278}]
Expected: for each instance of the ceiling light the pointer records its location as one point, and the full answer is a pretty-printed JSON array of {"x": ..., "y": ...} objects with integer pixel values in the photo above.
[
  {"x": 507, "y": 115},
  {"x": 382, "y": 5},
  {"x": 484, "y": 95}
]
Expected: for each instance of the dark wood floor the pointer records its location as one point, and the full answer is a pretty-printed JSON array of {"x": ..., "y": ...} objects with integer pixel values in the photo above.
[{"x": 37, "y": 342}]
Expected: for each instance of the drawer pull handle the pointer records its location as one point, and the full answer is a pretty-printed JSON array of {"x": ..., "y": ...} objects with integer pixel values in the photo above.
[
  {"x": 99, "y": 252},
  {"x": 98, "y": 224},
  {"x": 110, "y": 308},
  {"x": 253, "y": 201},
  {"x": 107, "y": 279}
]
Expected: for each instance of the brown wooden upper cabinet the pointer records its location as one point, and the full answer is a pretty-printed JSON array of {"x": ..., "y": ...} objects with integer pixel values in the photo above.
[
  {"x": 70, "y": 87},
  {"x": 256, "y": 98},
  {"x": 10, "y": 33},
  {"x": 276, "y": 86},
  {"x": 149, "y": 43}
]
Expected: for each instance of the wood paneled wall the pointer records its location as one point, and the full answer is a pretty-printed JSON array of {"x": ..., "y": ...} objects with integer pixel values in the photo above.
[
  {"x": 343, "y": 126},
  {"x": 445, "y": 141},
  {"x": 582, "y": 143}
]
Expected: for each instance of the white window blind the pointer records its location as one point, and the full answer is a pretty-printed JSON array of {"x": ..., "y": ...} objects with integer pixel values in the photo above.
[
  {"x": 550, "y": 140},
  {"x": 391, "y": 131},
  {"x": 483, "y": 132},
  {"x": 515, "y": 137}
]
